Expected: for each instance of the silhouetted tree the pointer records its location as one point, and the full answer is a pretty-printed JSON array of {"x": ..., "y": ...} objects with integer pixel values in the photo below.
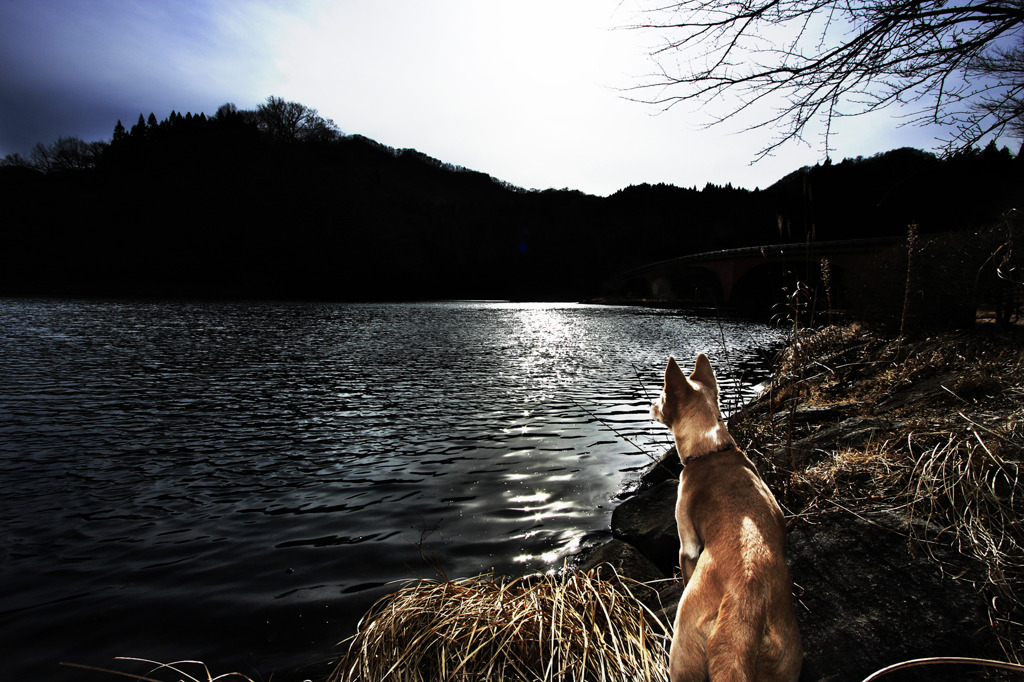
[
  {"x": 67, "y": 153},
  {"x": 120, "y": 135},
  {"x": 40, "y": 156},
  {"x": 823, "y": 59},
  {"x": 138, "y": 131},
  {"x": 229, "y": 120},
  {"x": 290, "y": 122},
  {"x": 15, "y": 160},
  {"x": 226, "y": 111},
  {"x": 72, "y": 153}
]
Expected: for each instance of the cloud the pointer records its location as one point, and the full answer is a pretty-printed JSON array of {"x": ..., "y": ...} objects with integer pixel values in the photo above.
[
  {"x": 530, "y": 92},
  {"x": 67, "y": 65}
]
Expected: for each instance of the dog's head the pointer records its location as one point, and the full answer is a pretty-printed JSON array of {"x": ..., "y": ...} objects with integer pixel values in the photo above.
[{"x": 689, "y": 407}]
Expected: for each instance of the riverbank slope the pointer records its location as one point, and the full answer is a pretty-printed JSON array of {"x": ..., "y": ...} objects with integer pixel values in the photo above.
[{"x": 897, "y": 463}]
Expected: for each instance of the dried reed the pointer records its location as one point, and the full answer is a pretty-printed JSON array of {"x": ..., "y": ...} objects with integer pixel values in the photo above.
[
  {"x": 165, "y": 672},
  {"x": 951, "y": 458},
  {"x": 579, "y": 626},
  {"x": 973, "y": 495}
]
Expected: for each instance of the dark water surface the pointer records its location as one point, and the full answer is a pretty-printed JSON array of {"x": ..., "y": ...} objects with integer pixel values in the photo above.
[{"x": 237, "y": 483}]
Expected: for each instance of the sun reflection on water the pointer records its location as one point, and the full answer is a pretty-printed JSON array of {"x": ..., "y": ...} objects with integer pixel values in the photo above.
[
  {"x": 552, "y": 337},
  {"x": 536, "y": 497}
]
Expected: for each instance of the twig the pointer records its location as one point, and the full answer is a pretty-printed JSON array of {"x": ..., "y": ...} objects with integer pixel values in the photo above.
[
  {"x": 612, "y": 429},
  {"x": 941, "y": 660},
  {"x": 640, "y": 381}
]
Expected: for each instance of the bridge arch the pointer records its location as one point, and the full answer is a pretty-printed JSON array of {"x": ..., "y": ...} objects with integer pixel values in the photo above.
[
  {"x": 756, "y": 276},
  {"x": 698, "y": 284},
  {"x": 770, "y": 283},
  {"x": 637, "y": 287}
]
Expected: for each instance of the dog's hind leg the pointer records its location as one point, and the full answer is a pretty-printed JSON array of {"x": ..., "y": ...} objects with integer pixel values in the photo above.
[
  {"x": 781, "y": 656},
  {"x": 687, "y": 659},
  {"x": 735, "y": 641}
]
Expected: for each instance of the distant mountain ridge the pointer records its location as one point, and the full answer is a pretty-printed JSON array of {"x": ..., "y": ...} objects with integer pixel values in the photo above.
[{"x": 218, "y": 207}]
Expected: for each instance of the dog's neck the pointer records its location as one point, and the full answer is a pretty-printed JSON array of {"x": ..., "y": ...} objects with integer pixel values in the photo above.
[
  {"x": 692, "y": 446},
  {"x": 725, "y": 447}
]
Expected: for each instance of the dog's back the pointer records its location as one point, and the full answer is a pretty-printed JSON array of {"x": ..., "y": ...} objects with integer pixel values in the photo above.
[{"x": 738, "y": 600}]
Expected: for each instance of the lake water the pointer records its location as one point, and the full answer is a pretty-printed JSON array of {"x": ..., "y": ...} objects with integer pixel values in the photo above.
[{"x": 238, "y": 482}]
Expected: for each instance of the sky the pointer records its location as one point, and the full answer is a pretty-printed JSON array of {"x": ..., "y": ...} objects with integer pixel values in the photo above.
[{"x": 537, "y": 93}]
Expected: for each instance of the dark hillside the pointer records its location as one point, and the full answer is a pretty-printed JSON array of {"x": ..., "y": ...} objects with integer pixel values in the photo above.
[
  {"x": 881, "y": 195},
  {"x": 227, "y": 206}
]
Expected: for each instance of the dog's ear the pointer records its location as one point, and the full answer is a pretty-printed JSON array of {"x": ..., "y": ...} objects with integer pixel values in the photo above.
[
  {"x": 675, "y": 380},
  {"x": 703, "y": 374}
]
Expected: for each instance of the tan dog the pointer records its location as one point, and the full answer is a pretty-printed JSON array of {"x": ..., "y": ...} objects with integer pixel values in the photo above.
[{"x": 735, "y": 619}]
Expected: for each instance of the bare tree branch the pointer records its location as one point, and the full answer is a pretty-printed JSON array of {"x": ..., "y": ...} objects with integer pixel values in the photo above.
[{"x": 956, "y": 63}]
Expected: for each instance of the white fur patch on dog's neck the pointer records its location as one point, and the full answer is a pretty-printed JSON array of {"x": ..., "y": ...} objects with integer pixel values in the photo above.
[
  {"x": 726, "y": 447},
  {"x": 713, "y": 440}
]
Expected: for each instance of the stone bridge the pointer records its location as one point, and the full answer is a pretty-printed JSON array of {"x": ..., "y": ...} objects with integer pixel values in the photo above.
[{"x": 758, "y": 276}]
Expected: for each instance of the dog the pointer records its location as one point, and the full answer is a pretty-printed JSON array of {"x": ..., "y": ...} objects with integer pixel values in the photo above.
[{"x": 735, "y": 620}]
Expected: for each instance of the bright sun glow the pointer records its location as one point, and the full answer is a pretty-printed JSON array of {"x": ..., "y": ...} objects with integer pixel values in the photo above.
[{"x": 535, "y": 93}]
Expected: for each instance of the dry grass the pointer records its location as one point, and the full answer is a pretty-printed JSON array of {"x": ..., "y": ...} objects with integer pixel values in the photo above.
[
  {"x": 967, "y": 491},
  {"x": 859, "y": 476},
  {"x": 574, "y": 627},
  {"x": 154, "y": 671},
  {"x": 949, "y": 460}
]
